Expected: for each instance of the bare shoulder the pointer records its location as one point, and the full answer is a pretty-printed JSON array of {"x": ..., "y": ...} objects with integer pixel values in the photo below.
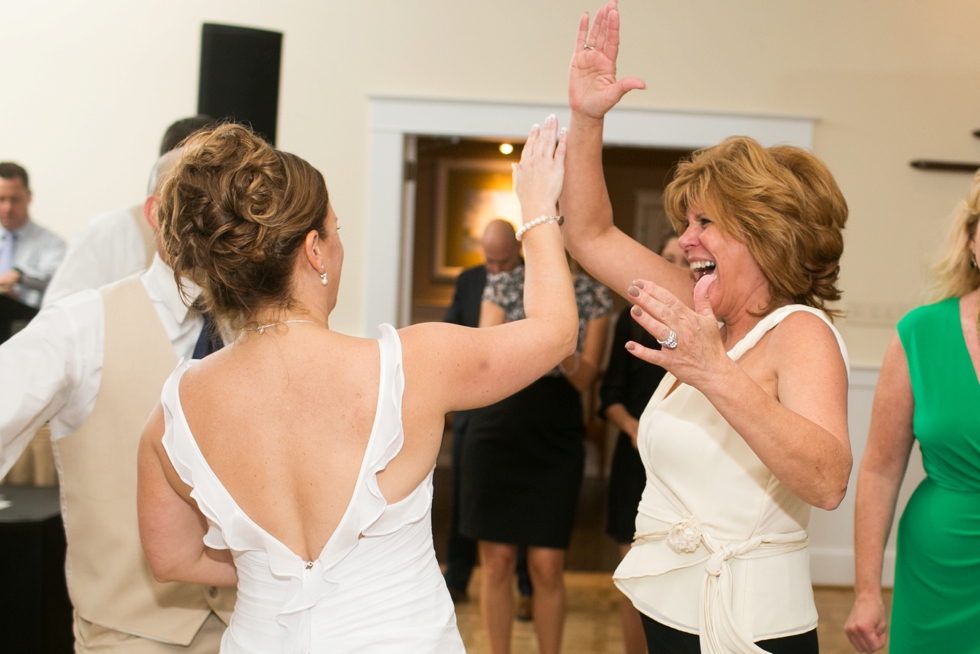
[
  {"x": 803, "y": 334},
  {"x": 354, "y": 344},
  {"x": 803, "y": 350},
  {"x": 430, "y": 339}
]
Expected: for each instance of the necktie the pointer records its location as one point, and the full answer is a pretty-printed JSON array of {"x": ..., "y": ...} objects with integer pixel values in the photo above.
[
  {"x": 7, "y": 252},
  {"x": 210, "y": 340}
]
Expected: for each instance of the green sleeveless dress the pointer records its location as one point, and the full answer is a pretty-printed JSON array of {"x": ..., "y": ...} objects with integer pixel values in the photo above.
[{"x": 936, "y": 605}]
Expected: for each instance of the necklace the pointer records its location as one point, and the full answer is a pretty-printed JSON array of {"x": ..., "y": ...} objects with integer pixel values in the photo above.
[{"x": 261, "y": 328}]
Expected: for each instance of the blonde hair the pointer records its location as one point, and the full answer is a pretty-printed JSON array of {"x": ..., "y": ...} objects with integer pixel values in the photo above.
[
  {"x": 234, "y": 214},
  {"x": 953, "y": 275},
  {"x": 781, "y": 202}
]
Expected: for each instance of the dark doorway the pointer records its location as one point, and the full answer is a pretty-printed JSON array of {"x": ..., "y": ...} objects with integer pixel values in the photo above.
[{"x": 635, "y": 178}]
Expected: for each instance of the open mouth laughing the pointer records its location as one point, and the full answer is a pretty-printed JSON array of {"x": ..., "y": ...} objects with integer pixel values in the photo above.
[{"x": 702, "y": 268}]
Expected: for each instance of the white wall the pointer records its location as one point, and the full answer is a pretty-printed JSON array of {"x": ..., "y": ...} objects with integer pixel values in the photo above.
[{"x": 89, "y": 87}]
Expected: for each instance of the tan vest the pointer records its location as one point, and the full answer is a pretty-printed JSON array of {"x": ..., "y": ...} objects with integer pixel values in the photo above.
[{"x": 109, "y": 580}]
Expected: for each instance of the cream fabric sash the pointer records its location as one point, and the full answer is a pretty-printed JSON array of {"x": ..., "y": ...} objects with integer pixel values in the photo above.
[
  {"x": 717, "y": 627},
  {"x": 719, "y": 632}
]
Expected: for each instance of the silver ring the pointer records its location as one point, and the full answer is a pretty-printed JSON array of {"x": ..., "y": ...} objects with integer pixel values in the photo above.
[
  {"x": 586, "y": 46},
  {"x": 670, "y": 342}
]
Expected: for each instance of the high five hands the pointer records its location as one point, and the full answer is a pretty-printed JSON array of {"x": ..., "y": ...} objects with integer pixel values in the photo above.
[
  {"x": 538, "y": 177},
  {"x": 698, "y": 357},
  {"x": 592, "y": 85}
]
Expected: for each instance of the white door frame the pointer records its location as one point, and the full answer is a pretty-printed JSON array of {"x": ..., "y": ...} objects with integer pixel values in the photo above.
[{"x": 389, "y": 263}]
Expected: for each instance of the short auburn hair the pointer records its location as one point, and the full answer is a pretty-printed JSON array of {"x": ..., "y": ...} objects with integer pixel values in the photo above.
[
  {"x": 234, "y": 213},
  {"x": 781, "y": 202}
]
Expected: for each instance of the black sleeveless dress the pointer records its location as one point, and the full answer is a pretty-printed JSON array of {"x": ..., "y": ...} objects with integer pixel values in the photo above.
[{"x": 524, "y": 456}]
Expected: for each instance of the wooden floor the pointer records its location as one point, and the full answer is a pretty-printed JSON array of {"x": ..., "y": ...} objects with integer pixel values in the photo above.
[{"x": 592, "y": 623}]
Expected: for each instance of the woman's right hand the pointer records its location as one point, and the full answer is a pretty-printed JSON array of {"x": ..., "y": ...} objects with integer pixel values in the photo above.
[
  {"x": 592, "y": 86},
  {"x": 867, "y": 626},
  {"x": 538, "y": 177}
]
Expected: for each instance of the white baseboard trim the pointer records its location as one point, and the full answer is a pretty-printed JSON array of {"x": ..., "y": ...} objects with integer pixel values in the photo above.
[{"x": 834, "y": 566}]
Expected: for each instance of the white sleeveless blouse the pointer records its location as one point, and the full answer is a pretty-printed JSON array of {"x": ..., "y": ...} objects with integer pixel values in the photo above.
[
  {"x": 376, "y": 586},
  {"x": 721, "y": 545}
]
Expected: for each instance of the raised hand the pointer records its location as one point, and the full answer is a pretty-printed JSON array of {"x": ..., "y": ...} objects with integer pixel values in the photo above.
[
  {"x": 538, "y": 177},
  {"x": 867, "y": 625},
  {"x": 698, "y": 356},
  {"x": 592, "y": 85}
]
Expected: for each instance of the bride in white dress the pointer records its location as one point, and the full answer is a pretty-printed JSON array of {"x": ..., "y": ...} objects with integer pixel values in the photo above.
[{"x": 296, "y": 463}]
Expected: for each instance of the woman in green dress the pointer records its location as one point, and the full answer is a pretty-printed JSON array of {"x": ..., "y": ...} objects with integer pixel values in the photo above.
[{"x": 929, "y": 390}]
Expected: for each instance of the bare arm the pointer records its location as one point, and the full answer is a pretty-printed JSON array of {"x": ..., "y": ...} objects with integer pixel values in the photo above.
[
  {"x": 882, "y": 469},
  {"x": 491, "y": 314},
  {"x": 801, "y": 433},
  {"x": 619, "y": 416},
  {"x": 607, "y": 253},
  {"x": 172, "y": 528},
  {"x": 580, "y": 369}
]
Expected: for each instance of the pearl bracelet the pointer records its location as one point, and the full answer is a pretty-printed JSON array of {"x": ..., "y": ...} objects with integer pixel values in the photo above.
[{"x": 540, "y": 220}]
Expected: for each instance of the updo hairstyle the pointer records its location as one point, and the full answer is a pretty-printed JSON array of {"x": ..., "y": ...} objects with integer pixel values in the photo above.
[
  {"x": 233, "y": 216},
  {"x": 781, "y": 202},
  {"x": 954, "y": 275}
]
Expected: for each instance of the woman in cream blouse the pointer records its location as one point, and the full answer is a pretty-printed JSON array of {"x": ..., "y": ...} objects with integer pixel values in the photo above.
[{"x": 748, "y": 429}]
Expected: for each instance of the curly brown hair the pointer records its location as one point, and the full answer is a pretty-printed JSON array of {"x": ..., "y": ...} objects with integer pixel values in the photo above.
[
  {"x": 233, "y": 215},
  {"x": 781, "y": 202}
]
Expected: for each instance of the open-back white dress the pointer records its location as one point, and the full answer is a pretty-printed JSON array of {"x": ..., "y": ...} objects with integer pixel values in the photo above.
[{"x": 376, "y": 586}]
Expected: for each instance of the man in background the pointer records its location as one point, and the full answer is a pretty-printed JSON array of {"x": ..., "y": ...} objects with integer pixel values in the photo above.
[
  {"x": 94, "y": 364},
  {"x": 110, "y": 247},
  {"x": 501, "y": 253},
  {"x": 116, "y": 244},
  {"x": 29, "y": 253}
]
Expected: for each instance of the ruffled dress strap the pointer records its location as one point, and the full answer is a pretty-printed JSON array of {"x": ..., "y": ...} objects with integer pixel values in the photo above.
[{"x": 186, "y": 458}]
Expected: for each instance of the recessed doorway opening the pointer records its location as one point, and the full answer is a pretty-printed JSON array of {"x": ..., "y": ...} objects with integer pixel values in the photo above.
[{"x": 461, "y": 183}]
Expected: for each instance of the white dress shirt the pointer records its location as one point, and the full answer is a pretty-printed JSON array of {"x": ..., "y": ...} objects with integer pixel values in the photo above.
[
  {"x": 109, "y": 247},
  {"x": 51, "y": 370},
  {"x": 37, "y": 254}
]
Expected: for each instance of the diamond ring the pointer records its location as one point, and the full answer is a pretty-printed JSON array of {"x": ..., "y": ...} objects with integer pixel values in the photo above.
[
  {"x": 670, "y": 342},
  {"x": 586, "y": 46}
]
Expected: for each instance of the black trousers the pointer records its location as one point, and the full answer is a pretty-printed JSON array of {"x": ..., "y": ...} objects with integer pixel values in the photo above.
[{"x": 662, "y": 639}]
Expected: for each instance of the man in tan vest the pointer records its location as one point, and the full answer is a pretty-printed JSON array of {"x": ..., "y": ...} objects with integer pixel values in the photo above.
[{"x": 94, "y": 364}]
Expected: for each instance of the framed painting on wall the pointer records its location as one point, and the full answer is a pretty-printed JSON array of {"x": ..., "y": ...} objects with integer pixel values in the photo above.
[{"x": 469, "y": 194}]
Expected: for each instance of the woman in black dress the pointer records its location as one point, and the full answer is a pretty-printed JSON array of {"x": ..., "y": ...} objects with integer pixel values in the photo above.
[
  {"x": 626, "y": 389},
  {"x": 522, "y": 467}
]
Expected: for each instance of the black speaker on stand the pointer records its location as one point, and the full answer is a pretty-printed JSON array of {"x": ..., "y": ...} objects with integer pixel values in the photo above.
[{"x": 240, "y": 76}]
